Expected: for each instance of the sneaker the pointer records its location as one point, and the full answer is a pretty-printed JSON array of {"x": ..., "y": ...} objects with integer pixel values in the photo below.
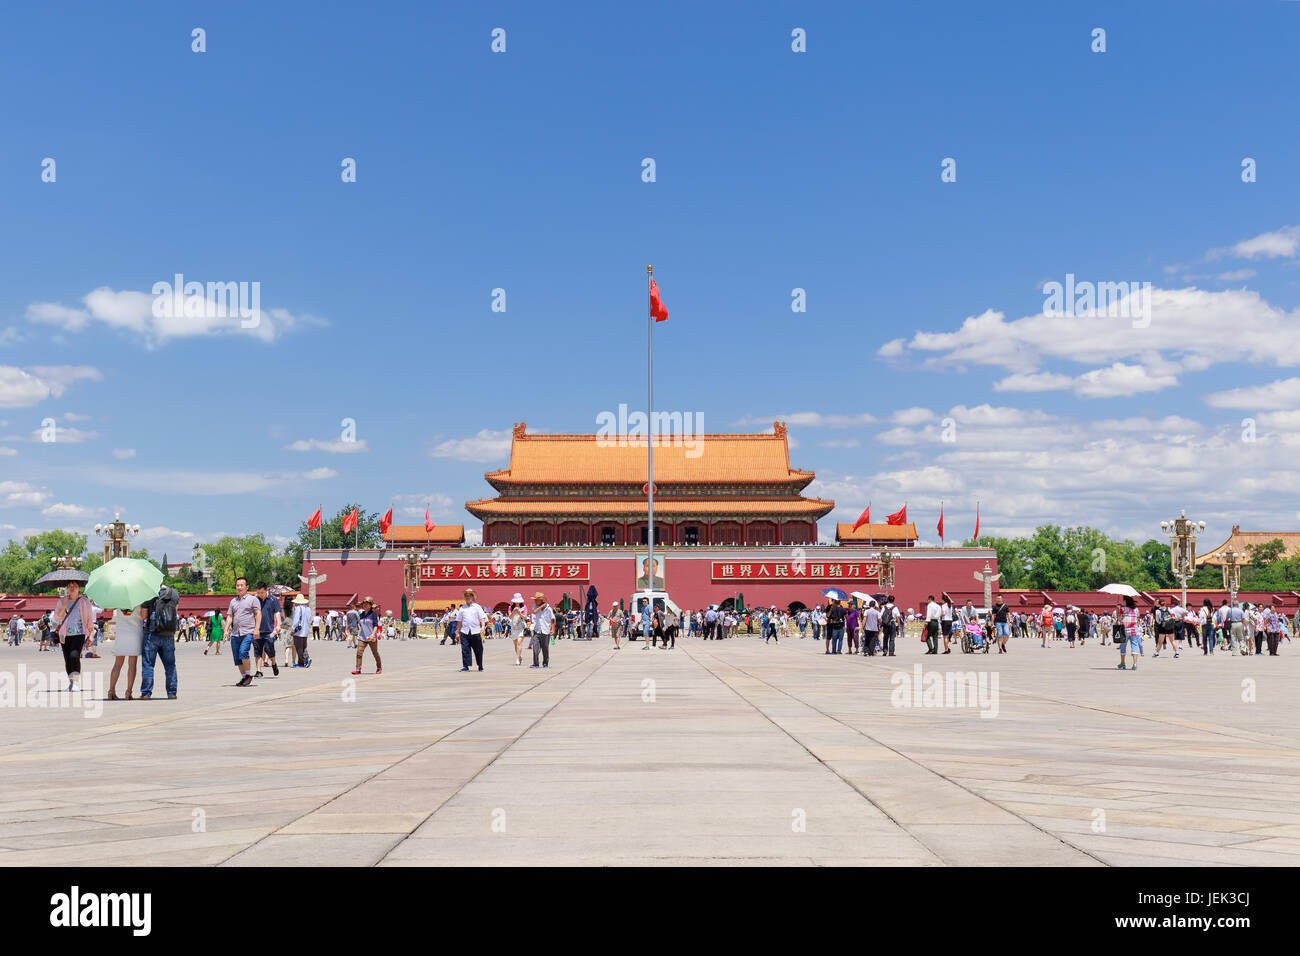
[
  {"x": 532, "y": 666},
  {"x": 1156, "y": 654},
  {"x": 75, "y": 686},
  {"x": 275, "y": 669},
  {"x": 1175, "y": 655},
  {"x": 463, "y": 669},
  {"x": 258, "y": 674},
  {"x": 379, "y": 670},
  {"x": 245, "y": 681},
  {"x": 356, "y": 672}
]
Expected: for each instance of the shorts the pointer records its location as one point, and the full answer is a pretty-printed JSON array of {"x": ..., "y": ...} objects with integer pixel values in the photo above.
[
  {"x": 1132, "y": 645},
  {"x": 265, "y": 645},
  {"x": 1003, "y": 629},
  {"x": 240, "y": 647},
  {"x": 946, "y": 627}
]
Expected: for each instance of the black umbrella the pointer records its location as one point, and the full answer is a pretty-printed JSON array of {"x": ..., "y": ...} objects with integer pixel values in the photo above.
[{"x": 63, "y": 576}]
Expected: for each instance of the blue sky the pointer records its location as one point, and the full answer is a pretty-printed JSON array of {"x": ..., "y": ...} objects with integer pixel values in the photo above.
[{"x": 775, "y": 170}]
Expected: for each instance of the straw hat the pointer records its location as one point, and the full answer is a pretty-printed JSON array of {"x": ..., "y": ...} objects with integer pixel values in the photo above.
[
  {"x": 299, "y": 599},
  {"x": 517, "y": 599}
]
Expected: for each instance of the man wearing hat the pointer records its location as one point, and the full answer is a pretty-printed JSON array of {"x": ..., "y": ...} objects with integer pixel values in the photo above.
[
  {"x": 471, "y": 620},
  {"x": 543, "y": 622},
  {"x": 369, "y": 636},
  {"x": 300, "y": 628}
]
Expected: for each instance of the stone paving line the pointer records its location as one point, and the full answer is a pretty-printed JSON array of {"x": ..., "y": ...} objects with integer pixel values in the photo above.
[{"x": 711, "y": 753}]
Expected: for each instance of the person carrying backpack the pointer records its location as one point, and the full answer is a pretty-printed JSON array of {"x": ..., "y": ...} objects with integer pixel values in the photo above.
[{"x": 160, "y": 641}]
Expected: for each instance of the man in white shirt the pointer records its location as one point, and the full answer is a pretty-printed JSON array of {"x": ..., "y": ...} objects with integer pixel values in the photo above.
[
  {"x": 543, "y": 623},
  {"x": 932, "y": 614},
  {"x": 471, "y": 619}
]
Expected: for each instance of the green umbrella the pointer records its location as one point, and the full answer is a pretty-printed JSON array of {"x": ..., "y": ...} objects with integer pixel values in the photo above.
[
  {"x": 406, "y": 615},
  {"x": 740, "y": 603},
  {"x": 124, "y": 583}
]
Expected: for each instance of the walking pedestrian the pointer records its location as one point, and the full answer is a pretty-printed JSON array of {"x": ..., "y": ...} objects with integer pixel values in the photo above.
[
  {"x": 543, "y": 619},
  {"x": 300, "y": 628},
  {"x": 74, "y": 622},
  {"x": 268, "y": 628},
  {"x": 242, "y": 622},
  {"x": 369, "y": 635},
  {"x": 162, "y": 617},
  {"x": 128, "y": 641},
  {"x": 471, "y": 619}
]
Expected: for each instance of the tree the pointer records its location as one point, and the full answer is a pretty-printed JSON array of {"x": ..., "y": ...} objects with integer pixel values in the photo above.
[
  {"x": 248, "y": 556},
  {"x": 21, "y": 563},
  {"x": 331, "y": 532}
]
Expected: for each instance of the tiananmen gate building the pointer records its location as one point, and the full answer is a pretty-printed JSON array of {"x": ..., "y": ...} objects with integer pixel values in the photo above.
[{"x": 732, "y": 523}]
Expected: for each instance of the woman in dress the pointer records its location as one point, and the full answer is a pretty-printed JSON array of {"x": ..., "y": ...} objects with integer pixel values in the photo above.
[
  {"x": 128, "y": 640},
  {"x": 214, "y": 636},
  {"x": 518, "y": 618}
]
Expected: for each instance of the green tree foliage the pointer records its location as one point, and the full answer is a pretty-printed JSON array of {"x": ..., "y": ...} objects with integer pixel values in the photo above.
[
  {"x": 331, "y": 532},
  {"x": 21, "y": 563}
]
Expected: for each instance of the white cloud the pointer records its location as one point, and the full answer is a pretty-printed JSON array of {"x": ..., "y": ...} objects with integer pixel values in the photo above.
[
  {"x": 134, "y": 313},
  {"x": 912, "y": 416},
  {"x": 17, "y": 494},
  {"x": 121, "y": 454},
  {"x": 413, "y": 505},
  {"x": 487, "y": 445},
  {"x": 807, "y": 420},
  {"x": 7, "y": 451},
  {"x": 1281, "y": 244},
  {"x": 892, "y": 348},
  {"x": 203, "y": 482},
  {"x": 22, "y": 388},
  {"x": 1278, "y": 394},
  {"x": 66, "y": 512},
  {"x": 1189, "y": 330},
  {"x": 338, "y": 446}
]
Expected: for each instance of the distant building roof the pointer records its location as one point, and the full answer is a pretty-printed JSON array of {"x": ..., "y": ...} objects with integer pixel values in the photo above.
[
  {"x": 870, "y": 533},
  {"x": 1240, "y": 541},
  {"x": 443, "y": 534}
]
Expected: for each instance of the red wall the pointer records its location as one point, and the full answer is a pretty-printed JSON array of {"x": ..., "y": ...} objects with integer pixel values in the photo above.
[{"x": 688, "y": 573}]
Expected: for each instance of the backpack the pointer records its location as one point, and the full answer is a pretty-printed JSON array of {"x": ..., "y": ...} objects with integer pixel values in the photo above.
[
  {"x": 887, "y": 617},
  {"x": 162, "y": 620},
  {"x": 1162, "y": 616}
]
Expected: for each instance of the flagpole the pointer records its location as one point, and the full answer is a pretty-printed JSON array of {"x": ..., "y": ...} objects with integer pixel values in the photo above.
[
  {"x": 650, "y": 461},
  {"x": 320, "y": 533}
]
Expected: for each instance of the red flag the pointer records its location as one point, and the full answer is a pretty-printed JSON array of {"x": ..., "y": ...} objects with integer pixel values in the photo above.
[
  {"x": 941, "y": 522},
  {"x": 386, "y": 522},
  {"x": 350, "y": 521},
  {"x": 428, "y": 525},
  {"x": 314, "y": 521},
  {"x": 898, "y": 517},
  {"x": 656, "y": 306},
  {"x": 977, "y": 522},
  {"x": 864, "y": 518}
]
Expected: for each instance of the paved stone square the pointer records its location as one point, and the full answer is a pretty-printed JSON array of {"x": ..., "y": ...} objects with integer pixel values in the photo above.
[{"x": 710, "y": 753}]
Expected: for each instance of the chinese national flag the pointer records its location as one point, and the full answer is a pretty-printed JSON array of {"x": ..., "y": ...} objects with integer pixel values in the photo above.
[
  {"x": 428, "y": 523},
  {"x": 314, "y": 521},
  {"x": 386, "y": 522},
  {"x": 656, "y": 305},
  {"x": 941, "y": 523},
  {"x": 977, "y": 523},
  {"x": 864, "y": 518},
  {"x": 350, "y": 521},
  {"x": 898, "y": 517}
]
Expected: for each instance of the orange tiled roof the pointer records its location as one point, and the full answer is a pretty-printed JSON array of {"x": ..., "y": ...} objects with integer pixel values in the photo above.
[
  {"x": 596, "y": 459},
  {"x": 415, "y": 534},
  {"x": 876, "y": 532},
  {"x": 1241, "y": 540},
  {"x": 794, "y": 507}
]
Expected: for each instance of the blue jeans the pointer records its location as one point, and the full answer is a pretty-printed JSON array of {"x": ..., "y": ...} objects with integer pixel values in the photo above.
[
  {"x": 155, "y": 647},
  {"x": 817, "y": 632},
  {"x": 241, "y": 645},
  {"x": 837, "y": 637}
]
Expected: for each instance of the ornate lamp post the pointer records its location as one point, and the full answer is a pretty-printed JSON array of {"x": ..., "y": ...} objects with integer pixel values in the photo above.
[
  {"x": 1231, "y": 573},
  {"x": 117, "y": 532},
  {"x": 1182, "y": 533},
  {"x": 885, "y": 576}
]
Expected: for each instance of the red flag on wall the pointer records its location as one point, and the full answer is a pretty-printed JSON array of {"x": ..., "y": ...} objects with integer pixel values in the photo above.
[
  {"x": 314, "y": 521},
  {"x": 386, "y": 522},
  {"x": 977, "y": 522},
  {"x": 941, "y": 522},
  {"x": 656, "y": 305},
  {"x": 350, "y": 521},
  {"x": 864, "y": 518},
  {"x": 898, "y": 517},
  {"x": 428, "y": 524}
]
